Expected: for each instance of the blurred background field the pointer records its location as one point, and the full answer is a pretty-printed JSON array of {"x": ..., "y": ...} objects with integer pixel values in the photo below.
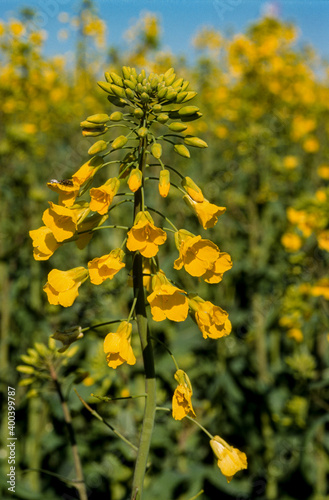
[{"x": 264, "y": 388}]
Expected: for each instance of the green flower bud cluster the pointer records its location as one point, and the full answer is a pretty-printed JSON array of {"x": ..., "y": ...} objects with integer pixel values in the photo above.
[{"x": 152, "y": 99}]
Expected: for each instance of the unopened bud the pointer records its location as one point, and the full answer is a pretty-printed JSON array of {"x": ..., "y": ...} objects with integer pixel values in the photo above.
[
  {"x": 119, "y": 142},
  {"x": 182, "y": 150}
]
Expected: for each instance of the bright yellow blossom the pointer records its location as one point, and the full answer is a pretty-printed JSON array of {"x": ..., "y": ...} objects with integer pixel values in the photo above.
[
  {"x": 63, "y": 221},
  {"x": 106, "y": 267},
  {"x": 67, "y": 190},
  {"x": 166, "y": 300},
  {"x": 323, "y": 171},
  {"x": 296, "y": 334},
  {"x": 144, "y": 236},
  {"x": 201, "y": 257},
  {"x": 212, "y": 320},
  {"x": 117, "y": 346},
  {"x": 230, "y": 460},
  {"x": 181, "y": 401},
  {"x": 62, "y": 286},
  {"x": 44, "y": 243},
  {"x": 102, "y": 197},
  {"x": 206, "y": 212},
  {"x": 87, "y": 170}
]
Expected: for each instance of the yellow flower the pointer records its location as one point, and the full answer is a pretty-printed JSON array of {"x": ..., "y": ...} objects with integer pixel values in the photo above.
[
  {"x": 292, "y": 242},
  {"x": 63, "y": 221},
  {"x": 201, "y": 257},
  {"x": 44, "y": 243},
  {"x": 166, "y": 300},
  {"x": 181, "y": 401},
  {"x": 321, "y": 288},
  {"x": 62, "y": 286},
  {"x": 87, "y": 170},
  {"x": 206, "y": 212},
  {"x": 323, "y": 171},
  {"x": 117, "y": 346},
  {"x": 296, "y": 334},
  {"x": 102, "y": 197},
  {"x": 212, "y": 320},
  {"x": 311, "y": 145},
  {"x": 290, "y": 162},
  {"x": 144, "y": 236},
  {"x": 135, "y": 179},
  {"x": 67, "y": 190},
  {"x": 230, "y": 460},
  {"x": 323, "y": 240},
  {"x": 164, "y": 183},
  {"x": 106, "y": 267}
]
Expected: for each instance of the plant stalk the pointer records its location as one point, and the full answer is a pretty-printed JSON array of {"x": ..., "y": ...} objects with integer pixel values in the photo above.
[{"x": 147, "y": 351}]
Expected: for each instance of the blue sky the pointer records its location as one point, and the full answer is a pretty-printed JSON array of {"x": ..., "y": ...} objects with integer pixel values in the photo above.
[{"x": 181, "y": 19}]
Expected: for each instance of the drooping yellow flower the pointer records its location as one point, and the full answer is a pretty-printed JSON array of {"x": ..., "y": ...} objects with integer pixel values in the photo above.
[
  {"x": 62, "y": 286},
  {"x": 230, "y": 460},
  {"x": 106, "y": 267},
  {"x": 201, "y": 257},
  {"x": 87, "y": 170},
  {"x": 212, "y": 320},
  {"x": 144, "y": 236},
  {"x": 102, "y": 197},
  {"x": 117, "y": 346},
  {"x": 164, "y": 183},
  {"x": 206, "y": 212},
  {"x": 166, "y": 300},
  {"x": 68, "y": 191},
  {"x": 44, "y": 243},
  {"x": 181, "y": 401},
  {"x": 135, "y": 180},
  {"x": 62, "y": 221}
]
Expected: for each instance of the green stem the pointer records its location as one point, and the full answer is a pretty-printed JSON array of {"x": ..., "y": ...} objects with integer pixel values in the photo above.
[
  {"x": 163, "y": 408},
  {"x": 147, "y": 350}
]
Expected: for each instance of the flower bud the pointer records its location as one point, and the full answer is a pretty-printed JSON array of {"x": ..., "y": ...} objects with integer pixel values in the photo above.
[
  {"x": 188, "y": 110},
  {"x": 97, "y": 147},
  {"x": 182, "y": 150},
  {"x": 164, "y": 183},
  {"x": 130, "y": 94},
  {"x": 192, "y": 189},
  {"x": 156, "y": 150},
  {"x": 162, "y": 118},
  {"x": 99, "y": 118},
  {"x": 195, "y": 142},
  {"x": 105, "y": 86},
  {"x": 116, "y": 116},
  {"x": 118, "y": 91},
  {"x": 180, "y": 96},
  {"x": 156, "y": 108},
  {"x": 138, "y": 112},
  {"x": 93, "y": 132},
  {"x": 145, "y": 97},
  {"x": 116, "y": 79},
  {"x": 171, "y": 94},
  {"x": 142, "y": 132},
  {"x": 135, "y": 180},
  {"x": 170, "y": 79},
  {"x": 128, "y": 83},
  {"x": 177, "y": 127},
  {"x": 189, "y": 96},
  {"x": 119, "y": 142},
  {"x": 126, "y": 71}
]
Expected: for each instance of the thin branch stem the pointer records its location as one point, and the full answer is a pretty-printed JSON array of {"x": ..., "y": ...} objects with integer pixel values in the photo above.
[
  {"x": 99, "y": 417},
  {"x": 80, "y": 484}
]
